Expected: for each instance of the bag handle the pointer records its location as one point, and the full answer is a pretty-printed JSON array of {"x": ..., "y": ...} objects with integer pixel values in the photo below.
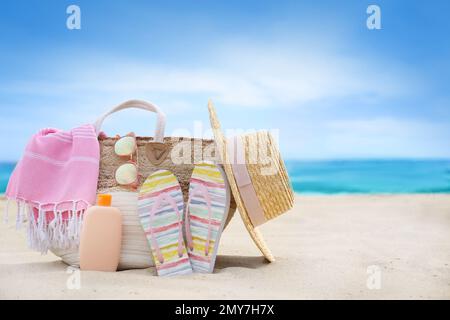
[{"x": 139, "y": 104}]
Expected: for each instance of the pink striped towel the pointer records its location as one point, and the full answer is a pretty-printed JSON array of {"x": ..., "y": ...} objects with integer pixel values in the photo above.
[{"x": 54, "y": 183}]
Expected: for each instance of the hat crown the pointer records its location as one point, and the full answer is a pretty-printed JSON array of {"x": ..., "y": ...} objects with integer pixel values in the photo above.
[{"x": 268, "y": 174}]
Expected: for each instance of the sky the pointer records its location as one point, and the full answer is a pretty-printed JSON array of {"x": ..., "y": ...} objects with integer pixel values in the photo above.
[{"x": 309, "y": 70}]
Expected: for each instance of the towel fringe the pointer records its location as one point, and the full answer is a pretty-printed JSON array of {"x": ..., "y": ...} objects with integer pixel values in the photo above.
[
  {"x": 61, "y": 232},
  {"x": 6, "y": 212},
  {"x": 19, "y": 218}
]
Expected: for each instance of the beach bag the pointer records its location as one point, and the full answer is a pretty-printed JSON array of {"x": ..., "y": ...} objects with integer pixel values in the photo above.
[{"x": 177, "y": 154}]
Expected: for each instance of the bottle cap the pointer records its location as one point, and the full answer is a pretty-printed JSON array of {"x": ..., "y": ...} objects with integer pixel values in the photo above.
[{"x": 104, "y": 200}]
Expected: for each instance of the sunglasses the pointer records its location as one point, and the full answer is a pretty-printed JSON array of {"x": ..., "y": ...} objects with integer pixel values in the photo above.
[{"x": 127, "y": 173}]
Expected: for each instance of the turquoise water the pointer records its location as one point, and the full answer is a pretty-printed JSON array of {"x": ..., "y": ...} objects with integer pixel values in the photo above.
[
  {"x": 5, "y": 172},
  {"x": 370, "y": 176},
  {"x": 352, "y": 176}
]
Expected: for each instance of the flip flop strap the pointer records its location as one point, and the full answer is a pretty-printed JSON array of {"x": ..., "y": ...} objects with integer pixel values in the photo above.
[
  {"x": 187, "y": 225},
  {"x": 174, "y": 205},
  {"x": 156, "y": 205},
  {"x": 202, "y": 191}
]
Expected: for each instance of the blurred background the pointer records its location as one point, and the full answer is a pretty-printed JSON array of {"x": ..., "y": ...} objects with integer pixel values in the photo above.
[{"x": 359, "y": 110}]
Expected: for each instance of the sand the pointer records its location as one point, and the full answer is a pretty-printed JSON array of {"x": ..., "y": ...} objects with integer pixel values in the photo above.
[{"x": 328, "y": 247}]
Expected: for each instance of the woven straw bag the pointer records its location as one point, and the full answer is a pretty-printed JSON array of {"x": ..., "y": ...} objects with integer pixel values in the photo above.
[{"x": 178, "y": 154}]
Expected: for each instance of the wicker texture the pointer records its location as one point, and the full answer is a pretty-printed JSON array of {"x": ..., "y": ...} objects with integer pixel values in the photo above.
[{"x": 110, "y": 162}]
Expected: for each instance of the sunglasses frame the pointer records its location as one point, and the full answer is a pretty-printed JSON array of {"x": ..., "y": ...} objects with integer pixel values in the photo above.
[{"x": 135, "y": 183}]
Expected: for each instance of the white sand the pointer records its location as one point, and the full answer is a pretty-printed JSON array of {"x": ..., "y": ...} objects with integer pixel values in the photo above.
[{"x": 324, "y": 247}]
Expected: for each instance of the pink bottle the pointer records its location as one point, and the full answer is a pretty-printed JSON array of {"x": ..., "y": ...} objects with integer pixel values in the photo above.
[{"x": 101, "y": 236}]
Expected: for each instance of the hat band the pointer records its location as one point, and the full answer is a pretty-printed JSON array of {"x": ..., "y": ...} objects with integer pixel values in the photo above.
[{"x": 244, "y": 183}]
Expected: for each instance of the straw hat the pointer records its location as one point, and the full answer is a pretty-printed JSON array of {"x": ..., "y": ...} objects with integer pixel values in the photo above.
[{"x": 257, "y": 177}]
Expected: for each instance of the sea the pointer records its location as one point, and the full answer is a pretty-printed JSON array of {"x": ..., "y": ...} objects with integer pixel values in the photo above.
[{"x": 383, "y": 176}]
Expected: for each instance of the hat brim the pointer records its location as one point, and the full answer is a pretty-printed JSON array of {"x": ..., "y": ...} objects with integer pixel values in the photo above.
[{"x": 221, "y": 143}]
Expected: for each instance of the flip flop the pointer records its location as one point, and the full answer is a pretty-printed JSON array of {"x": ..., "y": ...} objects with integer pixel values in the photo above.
[
  {"x": 205, "y": 215},
  {"x": 160, "y": 208}
]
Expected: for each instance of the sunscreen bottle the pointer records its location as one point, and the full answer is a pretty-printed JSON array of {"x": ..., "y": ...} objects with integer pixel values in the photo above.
[{"x": 101, "y": 236}]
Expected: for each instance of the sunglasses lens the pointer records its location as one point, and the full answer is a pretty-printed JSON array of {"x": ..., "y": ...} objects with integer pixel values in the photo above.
[
  {"x": 125, "y": 146},
  {"x": 126, "y": 174}
]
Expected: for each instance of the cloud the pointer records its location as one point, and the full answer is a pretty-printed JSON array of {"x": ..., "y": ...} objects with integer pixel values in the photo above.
[
  {"x": 238, "y": 75},
  {"x": 365, "y": 137},
  {"x": 389, "y": 137}
]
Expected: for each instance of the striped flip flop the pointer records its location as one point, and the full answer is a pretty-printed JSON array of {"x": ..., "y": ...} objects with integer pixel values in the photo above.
[
  {"x": 205, "y": 215},
  {"x": 160, "y": 208}
]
